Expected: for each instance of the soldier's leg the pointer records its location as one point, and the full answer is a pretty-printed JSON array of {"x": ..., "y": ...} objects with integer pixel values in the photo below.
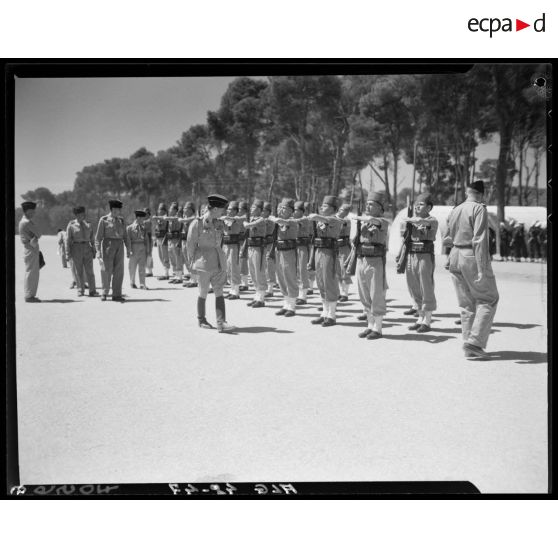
[
  {"x": 31, "y": 277},
  {"x": 345, "y": 279},
  {"x": 412, "y": 276},
  {"x": 77, "y": 266},
  {"x": 464, "y": 298},
  {"x": 88, "y": 268},
  {"x": 132, "y": 266},
  {"x": 426, "y": 269},
  {"x": 163, "y": 250},
  {"x": 261, "y": 277},
  {"x": 331, "y": 276},
  {"x": 377, "y": 293},
  {"x": 364, "y": 276},
  {"x": 118, "y": 271},
  {"x": 282, "y": 280},
  {"x": 141, "y": 259},
  {"x": 179, "y": 261},
  {"x": 303, "y": 279},
  {"x": 252, "y": 269},
  {"x": 290, "y": 268},
  {"x": 234, "y": 264},
  {"x": 321, "y": 275},
  {"x": 108, "y": 261}
]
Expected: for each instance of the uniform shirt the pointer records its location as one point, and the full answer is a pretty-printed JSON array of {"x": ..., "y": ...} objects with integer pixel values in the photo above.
[
  {"x": 233, "y": 227},
  {"x": 175, "y": 226},
  {"x": 425, "y": 232},
  {"x": 305, "y": 228},
  {"x": 27, "y": 231},
  {"x": 110, "y": 228},
  {"x": 136, "y": 233},
  {"x": 61, "y": 239},
  {"x": 204, "y": 245},
  {"x": 259, "y": 229},
  {"x": 269, "y": 227},
  {"x": 78, "y": 232},
  {"x": 159, "y": 226},
  {"x": 371, "y": 233},
  {"x": 331, "y": 229},
  {"x": 468, "y": 226},
  {"x": 288, "y": 231},
  {"x": 345, "y": 228}
]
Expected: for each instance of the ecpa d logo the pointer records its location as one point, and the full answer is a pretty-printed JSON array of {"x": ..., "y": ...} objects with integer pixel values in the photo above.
[{"x": 494, "y": 24}]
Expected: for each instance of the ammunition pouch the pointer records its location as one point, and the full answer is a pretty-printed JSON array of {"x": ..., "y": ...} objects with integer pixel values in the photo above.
[
  {"x": 231, "y": 239},
  {"x": 303, "y": 241},
  {"x": 371, "y": 250},
  {"x": 344, "y": 241},
  {"x": 325, "y": 242},
  {"x": 258, "y": 241},
  {"x": 287, "y": 244},
  {"x": 422, "y": 247}
]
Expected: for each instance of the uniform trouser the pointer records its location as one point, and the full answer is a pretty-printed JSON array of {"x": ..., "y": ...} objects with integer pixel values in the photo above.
[
  {"x": 149, "y": 257},
  {"x": 163, "y": 249},
  {"x": 256, "y": 265},
  {"x": 327, "y": 274},
  {"x": 233, "y": 265},
  {"x": 372, "y": 285},
  {"x": 137, "y": 261},
  {"x": 215, "y": 279},
  {"x": 504, "y": 249},
  {"x": 343, "y": 254},
  {"x": 244, "y": 270},
  {"x": 420, "y": 280},
  {"x": 534, "y": 249},
  {"x": 478, "y": 301},
  {"x": 63, "y": 257},
  {"x": 270, "y": 268},
  {"x": 517, "y": 250},
  {"x": 31, "y": 277},
  {"x": 286, "y": 274},
  {"x": 82, "y": 265},
  {"x": 303, "y": 253},
  {"x": 175, "y": 256},
  {"x": 113, "y": 260}
]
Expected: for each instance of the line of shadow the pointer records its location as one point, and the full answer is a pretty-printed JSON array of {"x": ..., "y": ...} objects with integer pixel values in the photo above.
[
  {"x": 520, "y": 357},
  {"x": 61, "y": 300},
  {"x": 261, "y": 329},
  {"x": 420, "y": 337},
  {"x": 147, "y": 300}
]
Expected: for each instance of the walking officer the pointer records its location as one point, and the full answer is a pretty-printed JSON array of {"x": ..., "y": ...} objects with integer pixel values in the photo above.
[
  {"x": 29, "y": 236},
  {"x": 160, "y": 228},
  {"x": 137, "y": 244},
  {"x": 109, "y": 243},
  {"x": 80, "y": 251},
  {"x": 233, "y": 232},
  {"x": 208, "y": 260},
  {"x": 257, "y": 227},
  {"x": 471, "y": 270}
]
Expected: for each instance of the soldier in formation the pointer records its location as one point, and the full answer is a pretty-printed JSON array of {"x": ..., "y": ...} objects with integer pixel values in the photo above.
[
  {"x": 270, "y": 237},
  {"x": 137, "y": 245},
  {"x": 233, "y": 233},
  {"x": 343, "y": 250},
  {"x": 303, "y": 240},
  {"x": 160, "y": 229},
  {"x": 256, "y": 229}
]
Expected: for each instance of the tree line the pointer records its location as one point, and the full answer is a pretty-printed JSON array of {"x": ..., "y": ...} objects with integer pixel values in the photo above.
[{"x": 307, "y": 136}]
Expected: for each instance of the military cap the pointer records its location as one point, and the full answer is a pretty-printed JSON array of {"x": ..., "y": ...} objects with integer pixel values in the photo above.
[
  {"x": 425, "y": 198},
  {"x": 28, "y": 205},
  {"x": 307, "y": 205},
  {"x": 376, "y": 197},
  {"x": 243, "y": 205},
  {"x": 233, "y": 205},
  {"x": 174, "y": 205},
  {"x": 147, "y": 210},
  {"x": 258, "y": 203},
  {"x": 300, "y": 205},
  {"x": 79, "y": 209},
  {"x": 216, "y": 200},
  {"x": 267, "y": 206},
  {"x": 190, "y": 205},
  {"x": 162, "y": 207},
  {"x": 478, "y": 186},
  {"x": 331, "y": 200},
  {"x": 115, "y": 204},
  {"x": 288, "y": 202},
  {"x": 140, "y": 213}
]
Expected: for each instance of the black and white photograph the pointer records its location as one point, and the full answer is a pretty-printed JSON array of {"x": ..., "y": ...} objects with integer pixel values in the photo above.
[{"x": 334, "y": 276}]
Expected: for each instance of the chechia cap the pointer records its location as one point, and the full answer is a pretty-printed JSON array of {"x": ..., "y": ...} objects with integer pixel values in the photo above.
[
  {"x": 425, "y": 198},
  {"x": 79, "y": 209},
  {"x": 190, "y": 205},
  {"x": 243, "y": 205},
  {"x": 288, "y": 202},
  {"x": 267, "y": 206},
  {"x": 161, "y": 207},
  {"x": 478, "y": 186},
  {"x": 346, "y": 207},
  {"x": 300, "y": 205},
  {"x": 233, "y": 205},
  {"x": 115, "y": 204},
  {"x": 378, "y": 198},
  {"x": 217, "y": 200},
  {"x": 174, "y": 205},
  {"x": 28, "y": 205},
  {"x": 331, "y": 200}
]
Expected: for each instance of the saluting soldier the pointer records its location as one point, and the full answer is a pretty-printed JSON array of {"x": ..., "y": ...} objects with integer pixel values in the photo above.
[
  {"x": 189, "y": 214},
  {"x": 327, "y": 261},
  {"x": 109, "y": 243},
  {"x": 285, "y": 253},
  {"x": 371, "y": 265},
  {"x": 311, "y": 272},
  {"x": 244, "y": 212},
  {"x": 137, "y": 243},
  {"x": 257, "y": 227},
  {"x": 80, "y": 251},
  {"x": 270, "y": 266},
  {"x": 344, "y": 249},
  {"x": 160, "y": 228},
  {"x": 208, "y": 260},
  {"x": 303, "y": 238},
  {"x": 29, "y": 236},
  {"x": 175, "y": 246},
  {"x": 471, "y": 270},
  {"x": 148, "y": 226},
  {"x": 233, "y": 232},
  {"x": 421, "y": 261}
]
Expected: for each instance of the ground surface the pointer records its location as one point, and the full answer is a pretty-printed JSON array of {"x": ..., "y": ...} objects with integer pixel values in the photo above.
[{"x": 136, "y": 392}]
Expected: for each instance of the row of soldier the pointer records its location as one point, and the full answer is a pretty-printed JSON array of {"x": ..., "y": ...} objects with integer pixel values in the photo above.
[{"x": 516, "y": 243}]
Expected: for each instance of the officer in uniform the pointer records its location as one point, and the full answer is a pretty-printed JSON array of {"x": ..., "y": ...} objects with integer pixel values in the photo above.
[
  {"x": 137, "y": 244},
  {"x": 371, "y": 265},
  {"x": 208, "y": 260},
  {"x": 471, "y": 270},
  {"x": 174, "y": 243},
  {"x": 344, "y": 249},
  {"x": 110, "y": 241},
  {"x": 148, "y": 226},
  {"x": 189, "y": 214},
  {"x": 244, "y": 212},
  {"x": 420, "y": 262},
  {"x": 327, "y": 260},
  {"x": 303, "y": 238},
  {"x": 80, "y": 251},
  {"x": 160, "y": 228},
  {"x": 233, "y": 233},
  {"x": 29, "y": 236},
  {"x": 286, "y": 254},
  {"x": 257, "y": 227},
  {"x": 270, "y": 267}
]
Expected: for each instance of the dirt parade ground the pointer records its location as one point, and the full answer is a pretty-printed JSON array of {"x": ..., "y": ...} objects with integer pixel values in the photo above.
[{"x": 135, "y": 392}]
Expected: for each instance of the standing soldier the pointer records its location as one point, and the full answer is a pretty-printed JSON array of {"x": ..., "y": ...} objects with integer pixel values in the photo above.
[
  {"x": 109, "y": 244},
  {"x": 257, "y": 227},
  {"x": 137, "y": 244},
  {"x": 420, "y": 262},
  {"x": 160, "y": 228},
  {"x": 174, "y": 243},
  {"x": 61, "y": 251},
  {"x": 371, "y": 265},
  {"x": 244, "y": 212},
  {"x": 286, "y": 254},
  {"x": 344, "y": 249},
  {"x": 471, "y": 270},
  {"x": 80, "y": 251},
  {"x": 534, "y": 242},
  {"x": 189, "y": 214},
  {"x": 326, "y": 259},
  {"x": 29, "y": 236},
  {"x": 304, "y": 232},
  {"x": 208, "y": 260},
  {"x": 233, "y": 233},
  {"x": 148, "y": 225},
  {"x": 270, "y": 233},
  {"x": 517, "y": 243},
  {"x": 504, "y": 242},
  {"x": 311, "y": 272}
]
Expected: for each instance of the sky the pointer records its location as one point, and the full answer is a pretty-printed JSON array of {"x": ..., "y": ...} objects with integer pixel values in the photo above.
[{"x": 64, "y": 124}]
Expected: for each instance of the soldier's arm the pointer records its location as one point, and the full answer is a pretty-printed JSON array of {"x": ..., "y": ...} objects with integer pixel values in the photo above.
[
  {"x": 192, "y": 239},
  {"x": 252, "y": 224},
  {"x": 480, "y": 237},
  {"x": 69, "y": 241},
  {"x": 127, "y": 240},
  {"x": 99, "y": 237}
]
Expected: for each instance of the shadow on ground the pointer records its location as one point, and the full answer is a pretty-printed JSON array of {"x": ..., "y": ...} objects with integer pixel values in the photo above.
[
  {"x": 261, "y": 329},
  {"x": 62, "y": 300},
  {"x": 147, "y": 300},
  {"x": 520, "y": 357},
  {"x": 420, "y": 337}
]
